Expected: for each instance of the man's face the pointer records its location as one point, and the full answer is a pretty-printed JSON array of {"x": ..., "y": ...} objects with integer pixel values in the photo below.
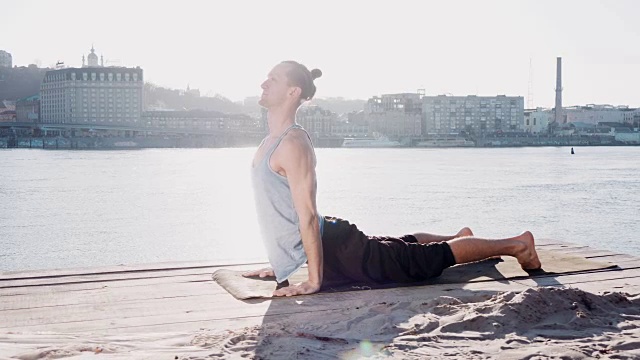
[{"x": 276, "y": 89}]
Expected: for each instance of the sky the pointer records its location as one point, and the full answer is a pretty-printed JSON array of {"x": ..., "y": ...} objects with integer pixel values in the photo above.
[{"x": 364, "y": 48}]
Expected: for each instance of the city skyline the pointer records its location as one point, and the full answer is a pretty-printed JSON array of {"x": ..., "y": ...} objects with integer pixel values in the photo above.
[{"x": 364, "y": 48}]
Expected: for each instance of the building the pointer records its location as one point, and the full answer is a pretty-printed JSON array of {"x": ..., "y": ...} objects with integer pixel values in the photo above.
[
  {"x": 192, "y": 92},
  {"x": 7, "y": 111},
  {"x": 92, "y": 59},
  {"x": 92, "y": 94},
  {"x": 28, "y": 109},
  {"x": 317, "y": 121},
  {"x": 6, "y": 60},
  {"x": 204, "y": 121},
  {"x": 353, "y": 125},
  {"x": 537, "y": 121},
  {"x": 632, "y": 117},
  {"x": 394, "y": 115},
  {"x": 7, "y": 115},
  {"x": 593, "y": 114},
  {"x": 473, "y": 114}
]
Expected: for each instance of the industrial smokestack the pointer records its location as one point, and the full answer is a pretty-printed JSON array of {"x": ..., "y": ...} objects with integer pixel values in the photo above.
[{"x": 558, "y": 109}]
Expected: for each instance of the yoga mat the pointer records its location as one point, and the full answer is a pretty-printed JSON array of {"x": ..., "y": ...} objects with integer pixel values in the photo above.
[{"x": 553, "y": 263}]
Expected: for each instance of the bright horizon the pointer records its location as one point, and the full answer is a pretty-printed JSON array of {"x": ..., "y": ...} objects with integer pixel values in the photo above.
[{"x": 364, "y": 49}]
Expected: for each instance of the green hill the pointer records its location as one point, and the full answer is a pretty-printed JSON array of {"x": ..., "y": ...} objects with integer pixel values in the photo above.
[{"x": 20, "y": 82}]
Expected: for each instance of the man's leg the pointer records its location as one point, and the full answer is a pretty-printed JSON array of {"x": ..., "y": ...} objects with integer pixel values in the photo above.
[
  {"x": 425, "y": 238},
  {"x": 522, "y": 247}
]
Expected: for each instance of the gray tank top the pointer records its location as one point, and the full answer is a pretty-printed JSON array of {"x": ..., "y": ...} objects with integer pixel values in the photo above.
[{"x": 277, "y": 216}]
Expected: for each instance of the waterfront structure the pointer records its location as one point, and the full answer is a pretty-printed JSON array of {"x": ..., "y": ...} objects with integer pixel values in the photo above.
[
  {"x": 6, "y": 60},
  {"x": 395, "y": 115},
  {"x": 93, "y": 94},
  {"x": 628, "y": 137},
  {"x": 373, "y": 142},
  {"x": 349, "y": 130},
  {"x": 28, "y": 109},
  {"x": 316, "y": 120},
  {"x": 204, "y": 121},
  {"x": 472, "y": 114}
]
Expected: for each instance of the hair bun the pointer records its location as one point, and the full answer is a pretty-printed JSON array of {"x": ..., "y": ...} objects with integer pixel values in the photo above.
[{"x": 315, "y": 73}]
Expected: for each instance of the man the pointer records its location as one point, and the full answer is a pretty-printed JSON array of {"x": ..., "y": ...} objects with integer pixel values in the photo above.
[{"x": 284, "y": 179}]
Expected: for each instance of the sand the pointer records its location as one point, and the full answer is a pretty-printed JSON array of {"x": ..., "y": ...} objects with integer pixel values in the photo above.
[{"x": 538, "y": 323}]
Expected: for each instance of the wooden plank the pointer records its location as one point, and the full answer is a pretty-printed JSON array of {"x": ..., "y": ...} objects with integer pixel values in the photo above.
[
  {"x": 170, "y": 265},
  {"x": 597, "y": 276},
  {"x": 623, "y": 261},
  {"x": 114, "y": 276},
  {"x": 615, "y": 257},
  {"x": 564, "y": 248},
  {"x": 587, "y": 252},
  {"x": 551, "y": 242},
  {"x": 115, "y": 283},
  {"x": 135, "y": 314},
  {"x": 629, "y": 286},
  {"x": 104, "y": 279},
  {"x": 106, "y": 295}
]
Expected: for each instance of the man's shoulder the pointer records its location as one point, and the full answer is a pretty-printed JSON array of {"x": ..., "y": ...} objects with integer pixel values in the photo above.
[
  {"x": 295, "y": 147},
  {"x": 296, "y": 137}
]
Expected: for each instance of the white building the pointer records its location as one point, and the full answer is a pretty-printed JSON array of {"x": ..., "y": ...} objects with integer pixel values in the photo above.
[
  {"x": 593, "y": 114},
  {"x": 5, "y": 59},
  {"x": 92, "y": 95},
  {"x": 395, "y": 115},
  {"x": 479, "y": 114},
  {"x": 316, "y": 120},
  {"x": 631, "y": 117},
  {"x": 537, "y": 121}
]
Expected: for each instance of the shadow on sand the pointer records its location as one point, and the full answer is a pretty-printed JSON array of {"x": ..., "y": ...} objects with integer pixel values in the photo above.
[{"x": 442, "y": 317}]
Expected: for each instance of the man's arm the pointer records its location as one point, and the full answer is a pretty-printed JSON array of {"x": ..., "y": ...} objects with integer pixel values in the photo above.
[{"x": 295, "y": 157}]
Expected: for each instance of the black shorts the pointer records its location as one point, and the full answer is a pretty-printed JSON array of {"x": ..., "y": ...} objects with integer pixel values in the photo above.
[{"x": 351, "y": 256}]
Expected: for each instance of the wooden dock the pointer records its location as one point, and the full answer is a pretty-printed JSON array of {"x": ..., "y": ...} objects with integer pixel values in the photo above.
[{"x": 182, "y": 298}]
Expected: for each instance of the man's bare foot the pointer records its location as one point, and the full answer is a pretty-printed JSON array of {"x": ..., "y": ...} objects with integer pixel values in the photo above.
[
  {"x": 465, "y": 231},
  {"x": 528, "y": 257}
]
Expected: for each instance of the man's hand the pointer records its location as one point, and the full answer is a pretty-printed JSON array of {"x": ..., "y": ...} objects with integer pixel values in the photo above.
[
  {"x": 261, "y": 273},
  {"x": 298, "y": 289}
]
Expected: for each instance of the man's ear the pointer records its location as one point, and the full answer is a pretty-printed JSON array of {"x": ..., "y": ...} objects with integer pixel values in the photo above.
[{"x": 295, "y": 91}]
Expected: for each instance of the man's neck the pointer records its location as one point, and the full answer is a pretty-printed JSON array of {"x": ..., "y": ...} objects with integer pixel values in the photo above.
[{"x": 279, "y": 119}]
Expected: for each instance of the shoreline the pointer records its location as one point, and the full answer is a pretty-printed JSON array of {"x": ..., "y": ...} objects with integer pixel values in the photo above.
[{"x": 124, "y": 143}]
